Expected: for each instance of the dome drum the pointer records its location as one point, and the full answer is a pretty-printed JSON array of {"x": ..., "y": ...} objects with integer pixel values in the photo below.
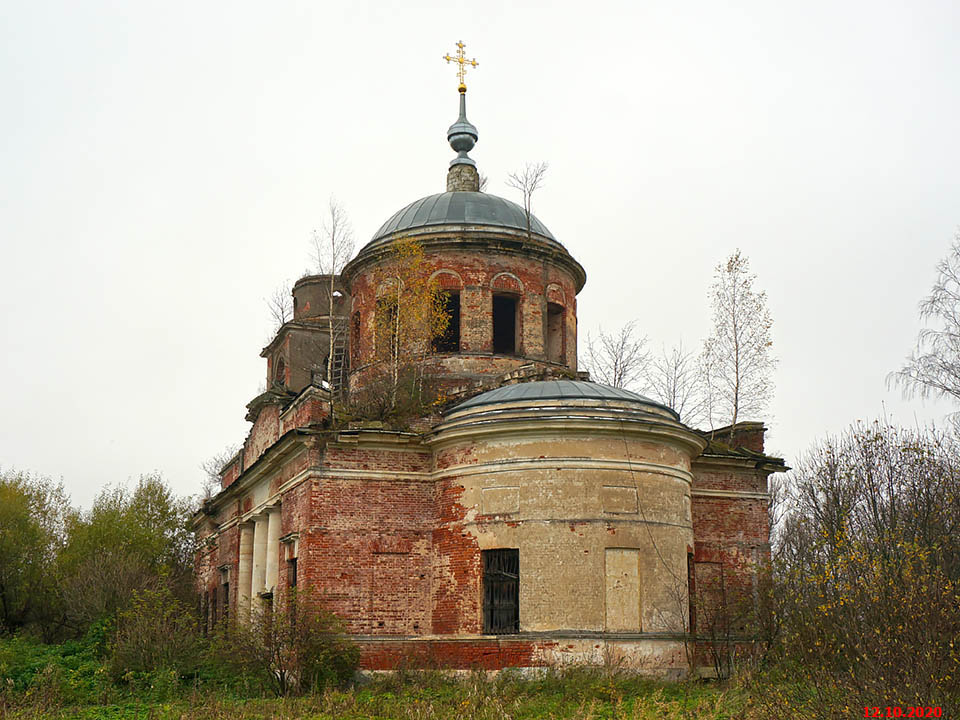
[{"x": 510, "y": 310}]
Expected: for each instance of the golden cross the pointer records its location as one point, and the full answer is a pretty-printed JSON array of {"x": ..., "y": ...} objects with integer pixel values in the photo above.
[{"x": 463, "y": 62}]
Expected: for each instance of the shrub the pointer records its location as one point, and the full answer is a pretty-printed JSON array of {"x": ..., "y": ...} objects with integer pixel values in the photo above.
[
  {"x": 157, "y": 633},
  {"x": 867, "y": 576},
  {"x": 295, "y": 648}
]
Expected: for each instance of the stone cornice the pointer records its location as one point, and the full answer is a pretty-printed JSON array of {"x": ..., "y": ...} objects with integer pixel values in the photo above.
[
  {"x": 568, "y": 420},
  {"x": 288, "y": 446},
  {"x": 740, "y": 462},
  {"x": 315, "y": 324},
  {"x": 729, "y": 494},
  {"x": 471, "y": 237}
]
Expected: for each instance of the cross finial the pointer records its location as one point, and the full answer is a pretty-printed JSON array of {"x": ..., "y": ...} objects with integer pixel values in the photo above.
[{"x": 462, "y": 62}]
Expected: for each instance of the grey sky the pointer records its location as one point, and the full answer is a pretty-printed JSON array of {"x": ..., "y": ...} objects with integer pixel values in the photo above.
[{"x": 162, "y": 166}]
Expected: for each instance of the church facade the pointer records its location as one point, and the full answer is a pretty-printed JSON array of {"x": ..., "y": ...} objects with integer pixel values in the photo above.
[{"x": 540, "y": 519}]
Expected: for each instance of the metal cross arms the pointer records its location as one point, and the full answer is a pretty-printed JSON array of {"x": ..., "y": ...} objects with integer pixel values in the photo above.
[{"x": 463, "y": 62}]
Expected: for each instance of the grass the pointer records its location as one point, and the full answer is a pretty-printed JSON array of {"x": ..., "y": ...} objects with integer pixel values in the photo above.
[{"x": 584, "y": 693}]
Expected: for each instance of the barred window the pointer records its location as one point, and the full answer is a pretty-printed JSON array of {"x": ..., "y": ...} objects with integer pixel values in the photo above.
[{"x": 501, "y": 591}]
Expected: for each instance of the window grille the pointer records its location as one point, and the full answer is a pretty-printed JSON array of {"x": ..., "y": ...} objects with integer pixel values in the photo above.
[{"x": 501, "y": 591}]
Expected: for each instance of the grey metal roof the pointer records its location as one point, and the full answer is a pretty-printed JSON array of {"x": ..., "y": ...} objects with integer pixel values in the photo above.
[
  {"x": 461, "y": 208},
  {"x": 556, "y": 390}
]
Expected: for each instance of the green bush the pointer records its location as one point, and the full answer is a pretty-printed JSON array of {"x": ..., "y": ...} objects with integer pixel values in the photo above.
[
  {"x": 156, "y": 634},
  {"x": 296, "y": 648}
]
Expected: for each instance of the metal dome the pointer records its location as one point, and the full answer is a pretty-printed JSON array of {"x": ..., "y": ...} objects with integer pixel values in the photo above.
[
  {"x": 557, "y": 390},
  {"x": 461, "y": 208}
]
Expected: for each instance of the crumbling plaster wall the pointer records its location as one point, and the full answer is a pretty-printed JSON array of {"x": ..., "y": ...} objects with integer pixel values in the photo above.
[{"x": 563, "y": 497}]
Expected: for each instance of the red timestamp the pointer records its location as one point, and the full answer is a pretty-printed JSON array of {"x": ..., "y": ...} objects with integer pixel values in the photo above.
[{"x": 917, "y": 711}]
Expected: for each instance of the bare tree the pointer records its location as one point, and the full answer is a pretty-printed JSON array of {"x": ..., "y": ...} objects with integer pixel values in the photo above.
[
  {"x": 933, "y": 369},
  {"x": 674, "y": 378},
  {"x": 528, "y": 181},
  {"x": 280, "y": 306},
  {"x": 737, "y": 362},
  {"x": 333, "y": 247},
  {"x": 867, "y": 567},
  {"x": 212, "y": 467},
  {"x": 619, "y": 359},
  {"x": 483, "y": 182}
]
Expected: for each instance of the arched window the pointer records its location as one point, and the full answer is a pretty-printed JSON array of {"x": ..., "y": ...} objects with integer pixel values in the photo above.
[
  {"x": 280, "y": 371},
  {"x": 386, "y": 326},
  {"x": 554, "y": 339},
  {"x": 505, "y": 323},
  {"x": 449, "y": 340}
]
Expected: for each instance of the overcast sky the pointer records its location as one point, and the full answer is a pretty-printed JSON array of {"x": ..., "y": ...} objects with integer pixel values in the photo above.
[{"x": 162, "y": 165}]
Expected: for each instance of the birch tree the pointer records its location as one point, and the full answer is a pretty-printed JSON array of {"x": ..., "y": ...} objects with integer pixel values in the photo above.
[
  {"x": 410, "y": 312},
  {"x": 332, "y": 249},
  {"x": 737, "y": 361},
  {"x": 528, "y": 181},
  {"x": 933, "y": 369}
]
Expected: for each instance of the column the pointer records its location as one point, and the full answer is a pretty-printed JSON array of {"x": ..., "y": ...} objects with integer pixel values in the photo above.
[
  {"x": 244, "y": 570},
  {"x": 273, "y": 548},
  {"x": 259, "y": 575}
]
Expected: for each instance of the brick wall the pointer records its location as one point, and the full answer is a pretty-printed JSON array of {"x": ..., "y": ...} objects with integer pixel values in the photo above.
[{"x": 478, "y": 274}]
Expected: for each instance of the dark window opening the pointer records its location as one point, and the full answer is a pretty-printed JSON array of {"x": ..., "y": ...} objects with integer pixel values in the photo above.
[
  {"x": 504, "y": 324},
  {"x": 554, "y": 333},
  {"x": 226, "y": 601},
  {"x": 292, "y": 572},
  {"x": 449, "y": 339},
  {"x": 501, "y": 591},
  {"x": 281, "y": 374}
]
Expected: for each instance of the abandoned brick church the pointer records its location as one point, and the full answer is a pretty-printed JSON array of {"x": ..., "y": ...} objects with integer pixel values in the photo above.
[{"x": 540, "y": 519}]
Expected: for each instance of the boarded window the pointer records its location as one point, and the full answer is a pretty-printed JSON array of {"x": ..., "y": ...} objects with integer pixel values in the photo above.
[
  {"x": 709, "y": 596},
  {"x": 622, "y": 568},
  {"x": 449, "y": 339},
  {"x": 504, "y": 324},
  {"x": 554, "y": 333},
  {"x": 501, "y": 591}
]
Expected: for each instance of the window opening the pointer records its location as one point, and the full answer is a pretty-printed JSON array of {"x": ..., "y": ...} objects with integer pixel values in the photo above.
[
  {"x": 501, "y": 591},
  {"x": 355, "y": 337},
  {"x": 386, "y": 326},
  {"x": 449, "y": 339},
  {"x": 554, "y": 333},
  {"x": 206, "y": 613},
  {"x": 292, "y": 571},
  {"x": 504, "y": 324},
  {"x": 281, "y": 374}
]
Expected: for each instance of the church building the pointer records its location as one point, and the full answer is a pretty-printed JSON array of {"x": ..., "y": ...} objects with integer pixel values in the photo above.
[{"x": 536, "y": 519}]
